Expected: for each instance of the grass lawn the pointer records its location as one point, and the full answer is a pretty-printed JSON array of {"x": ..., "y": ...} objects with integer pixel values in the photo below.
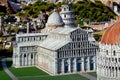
[
  {"x": 93, "y": 74},
  {"x": 3, "y": 75},
  {"x": 9, "y": 63},
  {"x": 62, "y": 77},
  {"x": 33, "y": 73},
  {"x": 28, "y": 71}
]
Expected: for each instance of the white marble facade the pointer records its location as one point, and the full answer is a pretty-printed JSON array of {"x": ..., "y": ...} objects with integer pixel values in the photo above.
[
  {"x": 108, "y": 61},
  {"x": 65, "y": 49},
  {"x": 108, "y": 58}
]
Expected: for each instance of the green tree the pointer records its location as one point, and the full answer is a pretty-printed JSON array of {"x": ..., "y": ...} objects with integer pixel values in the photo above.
[
  {"x": 10, "y": 49},
  {"x": 1, "y": 33},
  {"x": 2, "y": 14}
]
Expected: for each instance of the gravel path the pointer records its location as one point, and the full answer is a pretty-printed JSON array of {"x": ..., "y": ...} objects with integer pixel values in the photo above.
[
  {"x": 88, "y": 76},
  {"x": 7, "y": 70}
]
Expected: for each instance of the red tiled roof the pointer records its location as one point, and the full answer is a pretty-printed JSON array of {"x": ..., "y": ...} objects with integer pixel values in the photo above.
[{"x": 112, "y": 34}]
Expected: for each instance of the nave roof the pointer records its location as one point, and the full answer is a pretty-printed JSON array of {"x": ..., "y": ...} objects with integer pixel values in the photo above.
[
  {"x": 53, "y": 44},
  {"x": 63, "y": 30}
]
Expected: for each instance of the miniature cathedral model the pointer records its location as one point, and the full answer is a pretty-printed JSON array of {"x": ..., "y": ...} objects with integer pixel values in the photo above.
[
  {"x": 60, "y": 48},
  {"x": 108, "y": 59}
]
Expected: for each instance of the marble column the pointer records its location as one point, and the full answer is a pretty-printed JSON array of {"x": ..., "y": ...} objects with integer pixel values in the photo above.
[
  {"x": 39, "y": 60},
  {"x": 94, "y": 63},
  {"x": 26, "y": 39},
  {"x": 114, "y": 72},
  {"x": 88, "y": 63},
  {"x": 18, "y": 60},
  {"x": 116, "y": 75},
  {"x": 32, "y": 59},
  {"x": 63, "y": 66},
  {"x": 69, "y": 65},
  {"x": 75, "y": 65},
  {"x": 108, "y": 72},
  {"x": 82, "y": 64},
  {"x": 20, "y": 40},
  {"x": 118, "y": 72},
  {"x": 23, "y": 60},
  {"x": 29, "y": 59},
  {"x": 55, "y": 67},
  {"x": 35, "y": 58},
  {"x": 14, "y": 59}
]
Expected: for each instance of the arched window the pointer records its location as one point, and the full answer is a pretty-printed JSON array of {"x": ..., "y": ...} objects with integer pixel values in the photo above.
[
  {"x": 27, "y": 38},
  {"x": 69, "y": 8},
  {"x": 112, "y": 59},
  {"x": 116, "y": 60},
  {"x": 112, "y": 68},
  {"x": 107, "y": 52},
  {"x": 109, "y": 59},
  {"x": 114, "y": 53},
  {"x": 34, "y": 38},
  {"x": 119, "y": 59},
  {"x": 24, "y": 55},
  {"x": 65, "y": 15},
  {"x": 21, "y": 39},
  {"x": 64, "y": 9},
  {"x": 31, "y": 56},
  {"x": 58, "y": 55}
]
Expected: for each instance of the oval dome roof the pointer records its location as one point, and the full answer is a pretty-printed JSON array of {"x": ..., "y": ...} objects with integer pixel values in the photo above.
[
  {"x": 55, "y": 19},
  {"x": 112, "y": 35}
]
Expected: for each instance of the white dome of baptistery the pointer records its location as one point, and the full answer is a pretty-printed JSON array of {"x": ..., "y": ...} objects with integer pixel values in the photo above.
[{"x": 55, "y": 20}]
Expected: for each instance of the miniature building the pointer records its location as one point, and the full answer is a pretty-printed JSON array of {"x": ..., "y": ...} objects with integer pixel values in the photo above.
[
  {"x": 108, "y": 59},
  {"x": 61, "y": 48}
]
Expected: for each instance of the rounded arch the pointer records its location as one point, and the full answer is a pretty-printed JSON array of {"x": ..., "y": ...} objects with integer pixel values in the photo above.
[
  {"x": 24, "y": 55},
  {"x": 24, "y": 59},
  {"x": 31, "y": 56},
  {"x": 106, "y": 52},
  {"x": 114, "y": 52}
]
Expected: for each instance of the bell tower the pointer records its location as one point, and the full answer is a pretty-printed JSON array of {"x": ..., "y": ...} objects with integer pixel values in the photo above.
[{"x": 68, "y": 16}]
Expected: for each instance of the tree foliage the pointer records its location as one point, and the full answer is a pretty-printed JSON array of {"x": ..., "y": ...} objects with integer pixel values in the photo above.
[
  {"x": 2, "y": 14},
  {"x": 88, "y": 11},
  {"x": 93, "y": 11},
  {"x": 34, "y": 9},
  {"x": 1, "y": 33}
]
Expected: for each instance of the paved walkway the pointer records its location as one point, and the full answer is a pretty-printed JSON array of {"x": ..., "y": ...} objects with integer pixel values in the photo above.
[
  {"x": 7, "y": 70},
  {"x": 34, "y": 76},
  {"x": 88, "y": 76}
]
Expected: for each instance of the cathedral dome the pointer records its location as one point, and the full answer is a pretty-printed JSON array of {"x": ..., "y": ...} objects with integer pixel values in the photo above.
[
  {"x": 112, "y": 35},
  {"x": 54, "y": 20}
]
